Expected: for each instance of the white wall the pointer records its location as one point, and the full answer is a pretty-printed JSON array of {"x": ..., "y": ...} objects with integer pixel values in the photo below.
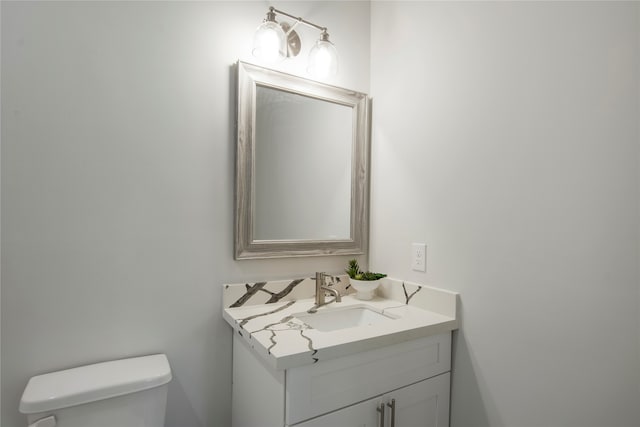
[
  {"x": 117, "y": 186},
  {"x": 506, "y": 137}
]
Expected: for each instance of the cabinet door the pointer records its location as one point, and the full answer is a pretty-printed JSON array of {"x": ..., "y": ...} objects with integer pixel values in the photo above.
[
  {"x": 363, "y": 414},
  {"x": 326, "y": 386},
  {"x": 424, "y": 404}
]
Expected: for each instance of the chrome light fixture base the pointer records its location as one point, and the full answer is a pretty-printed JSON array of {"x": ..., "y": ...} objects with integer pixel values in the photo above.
[{"x": 293, "y": 40}]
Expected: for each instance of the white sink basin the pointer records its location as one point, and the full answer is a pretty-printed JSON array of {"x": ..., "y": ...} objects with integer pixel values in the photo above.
[{"x": 341, "y": 318}]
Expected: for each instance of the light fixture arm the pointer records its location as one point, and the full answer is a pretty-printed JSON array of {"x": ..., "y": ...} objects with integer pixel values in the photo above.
[{"x": 297, "y": 19}]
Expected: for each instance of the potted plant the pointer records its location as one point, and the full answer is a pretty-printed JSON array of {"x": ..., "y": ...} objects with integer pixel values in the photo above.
[{"x": 364, "y": 282}]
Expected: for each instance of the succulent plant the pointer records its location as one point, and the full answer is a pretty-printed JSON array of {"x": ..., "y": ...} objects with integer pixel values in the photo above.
[{"x": 353, "y": 270}]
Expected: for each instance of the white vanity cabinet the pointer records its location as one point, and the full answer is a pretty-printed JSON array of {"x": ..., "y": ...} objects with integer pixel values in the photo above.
[{"x": 413, "y": 376}]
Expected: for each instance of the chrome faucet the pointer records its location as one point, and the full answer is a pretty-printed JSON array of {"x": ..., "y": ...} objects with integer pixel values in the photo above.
[{"x": 321, "y": 287}]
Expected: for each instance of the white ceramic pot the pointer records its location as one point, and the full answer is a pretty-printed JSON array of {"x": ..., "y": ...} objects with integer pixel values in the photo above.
[{"x": 364, "y": 288}]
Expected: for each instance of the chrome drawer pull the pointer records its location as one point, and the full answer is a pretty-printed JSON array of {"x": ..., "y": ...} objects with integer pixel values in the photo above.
[
  {"x": 381, "y": 410},
  {"x": 392, "y": 405}
]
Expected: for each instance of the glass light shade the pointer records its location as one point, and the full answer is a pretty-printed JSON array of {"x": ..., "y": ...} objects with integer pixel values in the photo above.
[
  {"x": 269, "y": 42},
  {"x": 323, "y": 59}
]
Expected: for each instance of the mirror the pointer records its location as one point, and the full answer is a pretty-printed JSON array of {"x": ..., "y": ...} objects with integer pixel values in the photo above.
[{"x": 302, "y": 175}]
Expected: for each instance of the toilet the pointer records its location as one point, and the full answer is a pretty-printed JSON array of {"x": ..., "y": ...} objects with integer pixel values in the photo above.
[{"x": 120, "y": 393}]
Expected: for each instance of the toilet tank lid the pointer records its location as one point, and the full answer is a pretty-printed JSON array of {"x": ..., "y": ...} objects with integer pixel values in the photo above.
[{"x": 85, "y": 384}]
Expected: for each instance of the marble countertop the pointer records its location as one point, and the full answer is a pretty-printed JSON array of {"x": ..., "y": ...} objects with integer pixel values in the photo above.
[{"x": 284, "y": 341}]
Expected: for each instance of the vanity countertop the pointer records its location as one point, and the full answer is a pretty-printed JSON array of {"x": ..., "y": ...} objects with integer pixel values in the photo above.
[{"x": 284, "y": 341}]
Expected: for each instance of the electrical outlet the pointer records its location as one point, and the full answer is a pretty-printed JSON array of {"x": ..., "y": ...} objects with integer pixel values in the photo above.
[{"x": 419, "y": 257}]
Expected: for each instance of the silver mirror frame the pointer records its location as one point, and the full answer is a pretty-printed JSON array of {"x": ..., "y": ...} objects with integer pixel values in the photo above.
[{"x": 246, "y": 247}]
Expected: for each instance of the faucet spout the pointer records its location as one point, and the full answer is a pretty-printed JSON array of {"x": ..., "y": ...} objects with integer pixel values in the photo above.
[
  {"x": 336, "y": 295},
  {"x": 321, "y": 288}
]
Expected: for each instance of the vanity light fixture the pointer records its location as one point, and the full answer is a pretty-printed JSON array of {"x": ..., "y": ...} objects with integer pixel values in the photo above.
[{"x": 273, "y": 42}]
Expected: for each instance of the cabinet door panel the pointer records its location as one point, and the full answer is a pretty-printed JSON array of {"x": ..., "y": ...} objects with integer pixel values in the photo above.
[
  {"x": 424, "y": 404},
  {"x": 363, "y": 414}
]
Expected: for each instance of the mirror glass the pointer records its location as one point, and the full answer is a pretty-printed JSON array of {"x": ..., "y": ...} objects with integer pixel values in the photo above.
[{"x": 302, "y": 167}]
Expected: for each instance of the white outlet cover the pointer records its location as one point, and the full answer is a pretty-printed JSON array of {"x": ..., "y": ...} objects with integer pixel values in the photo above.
[{"x": 419, "y": 257}]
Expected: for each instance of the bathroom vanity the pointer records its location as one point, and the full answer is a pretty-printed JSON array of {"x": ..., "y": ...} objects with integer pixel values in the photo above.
[{"x": 384, "y": 362}]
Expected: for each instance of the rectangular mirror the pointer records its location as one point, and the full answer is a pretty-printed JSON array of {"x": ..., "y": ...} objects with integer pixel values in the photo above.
[{"x": 302, "y": 167}]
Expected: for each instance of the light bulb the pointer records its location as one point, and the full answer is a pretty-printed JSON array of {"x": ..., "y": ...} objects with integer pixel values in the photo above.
[
  {"x": 323, "y": 58},
  {"x": 269, "y": 42}
]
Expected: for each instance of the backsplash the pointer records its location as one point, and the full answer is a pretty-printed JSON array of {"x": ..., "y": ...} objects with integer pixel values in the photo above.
[{"x": 268, "y": 292}]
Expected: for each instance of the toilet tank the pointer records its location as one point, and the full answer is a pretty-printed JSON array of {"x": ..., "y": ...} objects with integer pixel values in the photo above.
[{"x": 124, "y": 393}]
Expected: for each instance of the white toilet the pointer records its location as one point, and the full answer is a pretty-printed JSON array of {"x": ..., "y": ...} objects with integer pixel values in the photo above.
[{"x": 120, "y": 393}]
